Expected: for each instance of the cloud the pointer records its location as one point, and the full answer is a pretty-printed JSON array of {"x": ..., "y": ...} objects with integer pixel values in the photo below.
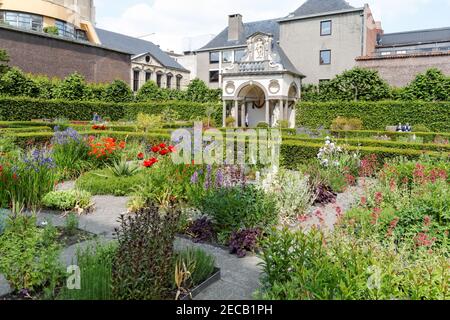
[{"x": 173, "y": 21}]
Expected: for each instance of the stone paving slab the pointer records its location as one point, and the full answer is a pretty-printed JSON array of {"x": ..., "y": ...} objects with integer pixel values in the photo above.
[
  {"x": 5, "y": 288},
  {"x": 240, "y": 277}
]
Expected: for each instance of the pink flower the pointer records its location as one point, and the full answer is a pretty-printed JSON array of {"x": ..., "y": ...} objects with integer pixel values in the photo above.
[{"x": 378, "y": 198}]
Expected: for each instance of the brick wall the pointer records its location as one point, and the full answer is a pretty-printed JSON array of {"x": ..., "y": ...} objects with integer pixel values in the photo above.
[
  {"x": 399, "y": 71},
  {"x": 42, "y": 54}
]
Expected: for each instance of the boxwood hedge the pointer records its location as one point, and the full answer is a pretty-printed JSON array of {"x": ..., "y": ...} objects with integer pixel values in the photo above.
[
  {"x": 376, "y": 115},
  {"x": 26, "y": 109}
]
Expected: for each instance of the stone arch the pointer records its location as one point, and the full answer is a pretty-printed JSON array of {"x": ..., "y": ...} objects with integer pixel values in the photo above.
[{"x": 239, "y": 90}]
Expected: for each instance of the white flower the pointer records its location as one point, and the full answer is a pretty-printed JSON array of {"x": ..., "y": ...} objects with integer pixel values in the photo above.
[
  {"x": 327, "y": 142},
  {"x": 327, "y": 138},
  {"x": 336, "y": 163},
  {"x": 44, "y": 223}
]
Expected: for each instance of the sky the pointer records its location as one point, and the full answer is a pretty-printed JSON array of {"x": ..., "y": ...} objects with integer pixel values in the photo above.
[{"x": 181, "y": 25}]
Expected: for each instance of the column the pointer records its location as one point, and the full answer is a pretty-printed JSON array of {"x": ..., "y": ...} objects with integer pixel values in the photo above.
[
  {"x": 268, "y": 112},
  {"x": 286, "y": 110},
  {"x": 224, "y": 116},
  {"x": 236, "y": 113},
  {"x": 243, "y": 114},
  {"x": 281, "y": 108}
]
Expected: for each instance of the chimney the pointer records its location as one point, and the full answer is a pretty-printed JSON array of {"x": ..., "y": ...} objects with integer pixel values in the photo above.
[{"x": 235, "y": 27}]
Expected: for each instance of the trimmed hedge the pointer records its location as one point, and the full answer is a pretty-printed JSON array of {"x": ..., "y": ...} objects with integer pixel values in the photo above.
[
  {"x": 379, "y": 143},
  {"x": 294, "y": 153},
  {"x": 376, "y": 115},
  {"x": 26, "y": 109},
  {"x": 428, "y": 137}
]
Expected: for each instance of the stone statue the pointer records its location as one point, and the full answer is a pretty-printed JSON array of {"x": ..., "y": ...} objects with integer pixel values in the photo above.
[{"x": 259, "y": 49}]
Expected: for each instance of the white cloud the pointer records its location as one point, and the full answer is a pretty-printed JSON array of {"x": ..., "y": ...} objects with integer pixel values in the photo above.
[{"x": 174, "y": 20}]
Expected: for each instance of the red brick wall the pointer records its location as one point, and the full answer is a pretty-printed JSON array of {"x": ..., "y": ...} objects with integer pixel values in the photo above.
[
  {"x": 42, "y": 54},
  {"x": 400, "y": 71}
]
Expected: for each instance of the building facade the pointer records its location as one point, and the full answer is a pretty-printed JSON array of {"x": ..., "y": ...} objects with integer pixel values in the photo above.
[
  {"x": 399, "y": 57},
  {"x": 74, "y": 19},
  {"x": 27, "y": 33}
]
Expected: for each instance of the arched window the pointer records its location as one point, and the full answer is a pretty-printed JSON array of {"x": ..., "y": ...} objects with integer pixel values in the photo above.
[
  {"x": 159, "y": 75},
  {"x": 169, "y": 80},
  {"x": 179, "y": 78}
]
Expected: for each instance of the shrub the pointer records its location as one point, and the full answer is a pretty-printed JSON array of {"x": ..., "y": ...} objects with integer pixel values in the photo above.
[
  {"x": 376, "y": 115},
  {"x": 346, "y": 124},
  {"x": 15, "y": 83},
  {"x": 292, "y": 193},
  {"x": 143, "y": 264},
  {"x": 421, "y": 128},
  {"x": 72, "y": 87},
  {"x": 147, "y": 121},
  {"x": 202, "y": 230},
  {"x": 149, "y": 91},
  {"x": 283, "y": 124},
  {"x": 198, "y": 91},
  {"x": 235, "y": 208},
  {"x": 30, "y": 255},
  {"x": 432, "y": 85},
  {"x": 118, "y": 91},
  {"x": 67, "y": 200},
  {"x": 4, "y": 59},
  {"x": 95, "y": 265},
  {"x": 102, "y": 182},
  {"x": 230, "y": 122},
  {"x": 262, "y": 125},
  {"x": 244, "y": 241}
]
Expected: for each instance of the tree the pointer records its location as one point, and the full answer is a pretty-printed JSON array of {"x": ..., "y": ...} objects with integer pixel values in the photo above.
[
  {"x": 4, "y": 59},
  {"x": 432, "y": 85},
  {"x": 149, "y": 92},
  {"x": 15, "y": 83},
  {"x": 72, "y": 87},
  {"x": 118, "y": 91},
  {"x": 355, "y": 84},
  {"x": 198, "y": 91}
]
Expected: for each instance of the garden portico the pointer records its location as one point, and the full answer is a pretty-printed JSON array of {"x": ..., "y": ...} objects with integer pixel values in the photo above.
[{"x": 263, "y": 88}]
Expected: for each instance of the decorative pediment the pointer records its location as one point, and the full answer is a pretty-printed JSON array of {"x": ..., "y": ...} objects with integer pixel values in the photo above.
[{"x": 259, "y": 47}]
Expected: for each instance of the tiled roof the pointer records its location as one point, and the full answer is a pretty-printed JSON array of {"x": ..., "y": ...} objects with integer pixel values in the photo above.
[
  {"x": 266, "y": 26},
  {"x": 136, "y": 47},
  {"x": 415, "y": 37},
  {"x": 313, "y": 7}
]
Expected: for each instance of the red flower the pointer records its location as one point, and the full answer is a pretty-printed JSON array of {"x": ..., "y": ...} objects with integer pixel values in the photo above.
[
  {"x": 156, "y": 149},
  {"x": 149, "y": 163},
  {"x": 378, "y": 198},
  {"x": 140, "y": 156},
  {"x": 162, "y": 145},
  {"x": 164, "y": 152},
  {"x": 172, "y": 149}
]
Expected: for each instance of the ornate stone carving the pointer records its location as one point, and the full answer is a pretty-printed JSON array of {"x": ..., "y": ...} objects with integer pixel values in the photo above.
[
  {"x": 274, "y": 87},
  {"x": 230, "y": 87}
]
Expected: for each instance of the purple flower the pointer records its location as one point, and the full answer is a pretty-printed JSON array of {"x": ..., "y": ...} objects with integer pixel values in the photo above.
[
  {"x": 67, "y": 136},
  {"x": 194, "y": 178}
]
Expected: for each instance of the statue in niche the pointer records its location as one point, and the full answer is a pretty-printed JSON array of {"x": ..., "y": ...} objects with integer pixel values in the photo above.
[{"x": 259, "y": 49}]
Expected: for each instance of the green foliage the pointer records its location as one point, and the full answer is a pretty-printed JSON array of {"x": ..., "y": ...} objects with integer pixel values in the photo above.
[
  {"x": 432, "y": 85},
  {"x": 199, "y": 263},
  {"x": 238, "y": 208},
  {"x": 72, "y": 224},
  {"x": 198, "y": 91},
  {"x": 357, "y": 84},
  {"x": 15, "y": 83},
  {"x": 4, "y": 59},
  {"x": 349, "y": 266},
  {"x": 150, "y": 91},
  {"x": 30, "y": 255},
  {"x": 102, "y": 182},
  {"x": 376, "y": 115},
  {"x": 26, "y": 109},
  {"x": 341, "y": 123},
  {"x": 67, "y": 200},
  {"x": 72, "y": 87},
  {"x": 51, "y": 30},
  {"x": 143, "y": 264},
  {"x": 95, "y": 265},
  {"x": 123, "y": 168},
  {"x": 118, "y": 91}
]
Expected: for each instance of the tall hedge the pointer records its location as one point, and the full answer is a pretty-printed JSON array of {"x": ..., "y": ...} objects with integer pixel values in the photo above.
[
  {"x": 376, "y": 115},
  {"x": 26, "y": 109}
]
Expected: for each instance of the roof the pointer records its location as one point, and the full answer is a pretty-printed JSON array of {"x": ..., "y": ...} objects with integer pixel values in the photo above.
[
  {"x": 415, "y": 37},
  {"x": 265, "y": 26},
  {"x": 282, "y": 58},
  {"x": 313, "y": 7},
  {"x": 137, "y": 47}
]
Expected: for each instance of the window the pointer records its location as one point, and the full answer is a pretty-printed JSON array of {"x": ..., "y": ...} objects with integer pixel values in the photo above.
[
  {"x": 136, "y": 74},
  {"x": 214, "y": 76},
  {"x": 148, "y": 59},
  {"x": 227, "y": 56},
  {"x": 325, "y": 57},
  {"x": 148, "y": 76},
  {"x": 159, "y": 79},
  {"x": 214, "y": 57},
  {"x": 22, "y": 20},
  {"x": 65, "y": 29},
  {"x": 325, "y": 28},
  {"x": 239, "y": 55},
  {"x": 169, "y": 80},
  {"x": 81, "y": 35},
  {"x": 179, "y": 77}
]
